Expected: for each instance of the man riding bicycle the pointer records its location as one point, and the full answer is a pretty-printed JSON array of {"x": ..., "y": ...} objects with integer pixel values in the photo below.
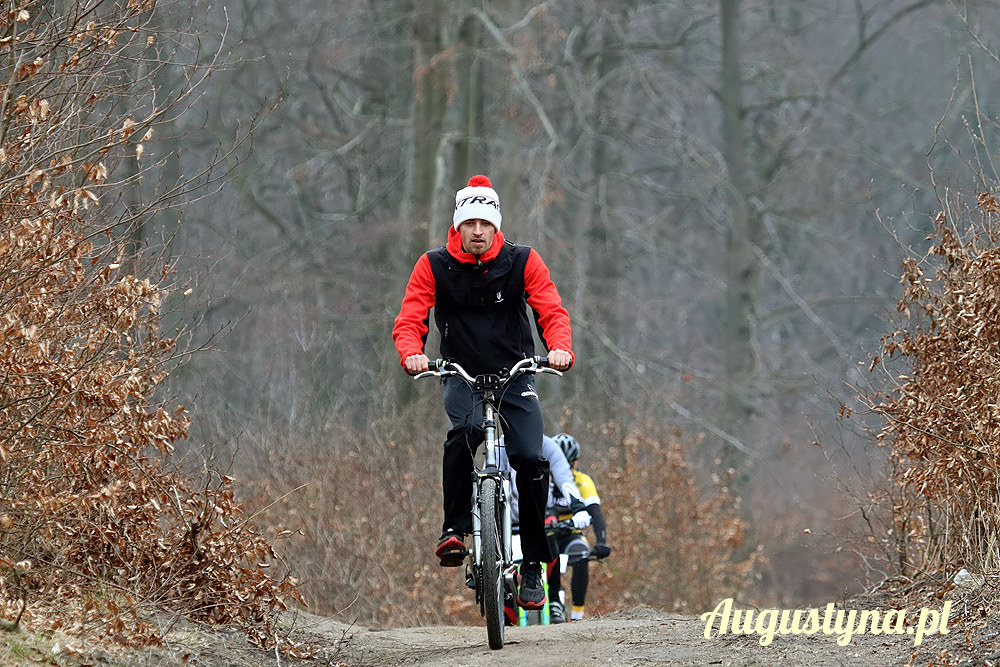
[
  {"x": 479, "y": 285},
  {"x": 562, "y": 478},
  {"x": 566, "y": 508}
]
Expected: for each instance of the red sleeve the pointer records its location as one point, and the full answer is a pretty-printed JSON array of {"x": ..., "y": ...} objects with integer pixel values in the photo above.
[
  {"x": 553, "y": 320},
  {"x": 410, "y": 329}
]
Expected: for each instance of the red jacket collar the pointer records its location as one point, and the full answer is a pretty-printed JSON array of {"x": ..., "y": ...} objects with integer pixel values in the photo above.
[{"x": 455, "y": 248}]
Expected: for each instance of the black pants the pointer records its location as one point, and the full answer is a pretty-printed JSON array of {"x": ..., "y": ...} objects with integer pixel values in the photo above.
[
  {"x": 579, "y": 580},
  {"x": 521, "y": 420}
]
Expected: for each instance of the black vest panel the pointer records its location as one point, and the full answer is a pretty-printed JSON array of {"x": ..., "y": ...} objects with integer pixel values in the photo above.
[{"x": 481, "y": 311}]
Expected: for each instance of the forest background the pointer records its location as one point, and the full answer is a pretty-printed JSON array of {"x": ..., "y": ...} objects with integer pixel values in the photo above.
[{"x": 724, "y": 192}]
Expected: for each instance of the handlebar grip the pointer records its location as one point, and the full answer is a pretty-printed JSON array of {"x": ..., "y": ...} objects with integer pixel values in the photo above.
[
  {"x": 541, "y": 362},
  {"x": 433, "y": 366}
]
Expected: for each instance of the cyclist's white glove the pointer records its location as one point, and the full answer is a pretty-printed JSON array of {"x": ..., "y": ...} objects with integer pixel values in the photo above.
[{"x": 581, "y": 519}]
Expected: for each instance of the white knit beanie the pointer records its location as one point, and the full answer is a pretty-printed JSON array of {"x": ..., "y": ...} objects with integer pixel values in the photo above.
[{"x": 478, "y": 200}]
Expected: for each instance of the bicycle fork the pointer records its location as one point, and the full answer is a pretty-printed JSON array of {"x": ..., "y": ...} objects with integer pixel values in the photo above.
[{"x": 492, "y": 469}]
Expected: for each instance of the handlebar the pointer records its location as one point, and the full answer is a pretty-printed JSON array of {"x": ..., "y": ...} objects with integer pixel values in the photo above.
[
  {"x": 560, "y": 528},
  {"x": 445, "y": 368},
  {"x": 564, "y": 528}
]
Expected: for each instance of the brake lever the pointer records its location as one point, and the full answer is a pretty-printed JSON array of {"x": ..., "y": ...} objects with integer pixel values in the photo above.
[{"x": 440, "y": 374}]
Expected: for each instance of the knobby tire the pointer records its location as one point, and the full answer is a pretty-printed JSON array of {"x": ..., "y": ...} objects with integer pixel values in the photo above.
[{"x": 492, "y": 541}]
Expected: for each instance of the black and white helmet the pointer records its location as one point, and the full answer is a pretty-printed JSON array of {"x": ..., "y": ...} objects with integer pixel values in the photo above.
[{"x": 569, "y": 446}]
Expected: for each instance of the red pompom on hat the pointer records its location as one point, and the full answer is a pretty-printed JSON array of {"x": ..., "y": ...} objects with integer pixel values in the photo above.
[{"x": 477, "y": 200}]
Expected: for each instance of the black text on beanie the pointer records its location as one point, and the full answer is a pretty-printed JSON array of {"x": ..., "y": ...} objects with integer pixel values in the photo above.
[{"x": 478, "y": 200}]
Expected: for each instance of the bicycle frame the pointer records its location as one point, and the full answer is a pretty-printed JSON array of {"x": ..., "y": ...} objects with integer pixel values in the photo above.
[{"x": 488, "y": 387}]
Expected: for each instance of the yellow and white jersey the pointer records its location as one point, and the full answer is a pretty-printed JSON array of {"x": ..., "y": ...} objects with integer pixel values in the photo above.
[{"x": 588, "y": 491}]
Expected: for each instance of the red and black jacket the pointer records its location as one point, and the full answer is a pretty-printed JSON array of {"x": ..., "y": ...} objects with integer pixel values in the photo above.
[{"x": 479, "y": 305}]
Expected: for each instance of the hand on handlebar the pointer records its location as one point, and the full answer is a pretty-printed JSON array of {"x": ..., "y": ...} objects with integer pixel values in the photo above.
[
  {"x": 416, "y": 363},
  {"x": 560, "y": 359},
  {"x": 581, "y": 519}
]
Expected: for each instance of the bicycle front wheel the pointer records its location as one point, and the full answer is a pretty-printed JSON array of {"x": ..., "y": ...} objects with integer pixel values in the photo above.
[{"x": 492, "y": 560}]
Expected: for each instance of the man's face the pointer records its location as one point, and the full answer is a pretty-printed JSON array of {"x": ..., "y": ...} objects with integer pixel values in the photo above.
[{"x": 477, "y": 236}]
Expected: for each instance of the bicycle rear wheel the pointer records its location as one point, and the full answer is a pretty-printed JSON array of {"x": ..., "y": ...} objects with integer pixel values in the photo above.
[{"x": 492, "y": 561}]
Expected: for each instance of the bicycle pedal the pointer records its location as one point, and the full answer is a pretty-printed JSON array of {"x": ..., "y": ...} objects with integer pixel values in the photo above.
[
  {"x": 453, "y": 559},
  {"x": 451, "y": 552},
  {"x": 470, "y": 581}
]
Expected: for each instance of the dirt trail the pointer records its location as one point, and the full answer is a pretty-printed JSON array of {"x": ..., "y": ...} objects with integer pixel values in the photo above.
[{"x": 638, "y": 637}]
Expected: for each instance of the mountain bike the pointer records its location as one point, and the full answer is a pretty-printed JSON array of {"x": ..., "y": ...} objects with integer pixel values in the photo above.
[
  {"x": 573, "y": 553},
  {"x": 491, "y": 571}
]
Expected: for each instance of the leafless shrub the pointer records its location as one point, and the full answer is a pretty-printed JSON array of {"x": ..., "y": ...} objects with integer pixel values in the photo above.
[
  {"x": 98, "y": 530},
  {"x": 367, "y": 505},
  {"x": 676, "y": 544},
  {"x": 370, "y": 515},
  {"x": 941, "y": 414}
]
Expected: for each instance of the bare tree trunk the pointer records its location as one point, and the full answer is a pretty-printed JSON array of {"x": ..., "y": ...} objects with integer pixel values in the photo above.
[
  {"x": 431, "y": 73},
  {"x": 744, "y": 230},
  {"x": 432, "y": 77},
  {"x": 468, "y": 112},
  {"x": 595, "y": 290}
]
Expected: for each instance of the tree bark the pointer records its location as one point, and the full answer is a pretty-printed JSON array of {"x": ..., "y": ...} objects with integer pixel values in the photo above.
[
  {"x": 743, "y": 233},
  {"x": 430, "y": 110}
]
